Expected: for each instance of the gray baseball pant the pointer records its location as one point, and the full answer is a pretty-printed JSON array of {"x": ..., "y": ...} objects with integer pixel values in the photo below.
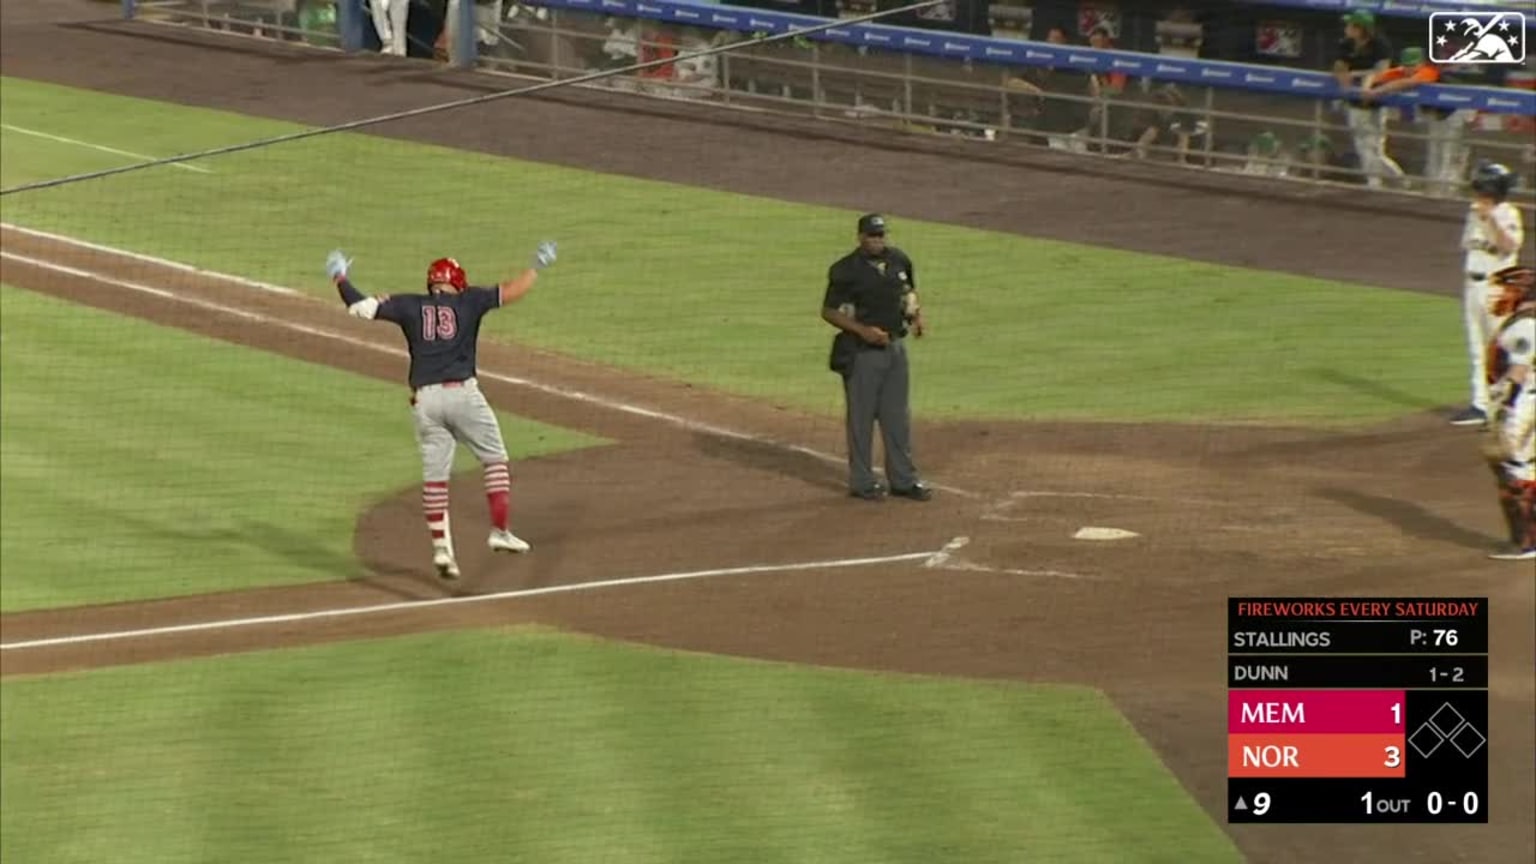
[{"x": 876, "y": 390}]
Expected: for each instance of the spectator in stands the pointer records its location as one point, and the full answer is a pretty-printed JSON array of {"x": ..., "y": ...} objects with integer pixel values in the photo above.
[
  {"x": 1362, "y": 54},
  {"x": 622, "y": 47},
  {"x": 1102, "y": 87},
  {"x": 1037, "y": 79},
  {"x": 488, "y": 35},
  {"x": 698, "y": 77},
  {"x": 1266, "y": 156},
  {"x": 1319, "y": 158},
  {"x": 390, "y": 18},
  {"x": 1164, "y": 115},
  {"x": 1444, "y": 156},
  {"x": 1108, "y": 83},
  {"x": 1052, "y": 117},
  {"x": 657, "y": 43}
]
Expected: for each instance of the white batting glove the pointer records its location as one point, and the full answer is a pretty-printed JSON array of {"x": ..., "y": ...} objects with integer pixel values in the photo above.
[
  {"x": 545, "y": 256},
  {"x": 337, "y": 264}
]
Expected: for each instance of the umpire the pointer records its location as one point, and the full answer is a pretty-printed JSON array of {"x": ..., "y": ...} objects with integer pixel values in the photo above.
[{"x": 872, "y": 300}]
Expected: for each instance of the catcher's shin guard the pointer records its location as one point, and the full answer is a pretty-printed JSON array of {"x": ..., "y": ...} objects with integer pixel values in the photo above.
[
  {"x": 1526, "y": 511},
  {"x": 1517, "y": 498}
]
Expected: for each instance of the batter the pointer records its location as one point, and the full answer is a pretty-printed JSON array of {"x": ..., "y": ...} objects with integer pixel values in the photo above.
[{"x": 442, "y": 329}]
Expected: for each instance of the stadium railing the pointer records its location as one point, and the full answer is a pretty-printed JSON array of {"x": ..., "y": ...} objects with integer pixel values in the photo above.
[{"x": 1208, "y": 115}]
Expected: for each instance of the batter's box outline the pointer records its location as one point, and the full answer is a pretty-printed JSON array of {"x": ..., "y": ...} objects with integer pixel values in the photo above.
[
  {"x": 1428, "y": 731},
  {"x": 1002, "y": 510},
  {"x": 1468, "y": 731},
  {"x": 1446, "y": 730}
]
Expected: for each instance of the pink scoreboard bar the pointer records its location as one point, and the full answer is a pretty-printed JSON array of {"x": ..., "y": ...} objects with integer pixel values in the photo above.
[{"x": 1318, "y": 711}]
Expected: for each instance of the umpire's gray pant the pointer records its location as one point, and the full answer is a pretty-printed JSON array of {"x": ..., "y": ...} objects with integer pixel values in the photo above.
[{"x": 876, "y": 390}]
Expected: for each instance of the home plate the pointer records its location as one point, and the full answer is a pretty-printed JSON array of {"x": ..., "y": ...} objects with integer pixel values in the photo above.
[{"x": 1089, "y": 532}]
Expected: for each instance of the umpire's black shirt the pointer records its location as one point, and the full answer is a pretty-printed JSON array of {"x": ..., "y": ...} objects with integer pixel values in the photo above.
[{"x": 873, "y": 285}]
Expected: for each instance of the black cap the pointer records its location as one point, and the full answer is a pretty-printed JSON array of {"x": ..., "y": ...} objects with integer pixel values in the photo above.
[{"x": 872, "y": 224}]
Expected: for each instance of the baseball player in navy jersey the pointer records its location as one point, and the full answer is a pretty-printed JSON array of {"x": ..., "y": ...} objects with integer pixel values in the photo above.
[{"x": 441, "y": 330}]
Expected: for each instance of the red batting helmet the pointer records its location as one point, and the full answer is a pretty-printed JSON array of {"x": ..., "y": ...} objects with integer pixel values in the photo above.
[{"x": 446, "y": 271}]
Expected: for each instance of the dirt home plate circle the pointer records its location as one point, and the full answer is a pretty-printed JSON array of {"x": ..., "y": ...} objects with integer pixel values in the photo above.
[{"x": 1354, "y": 709}]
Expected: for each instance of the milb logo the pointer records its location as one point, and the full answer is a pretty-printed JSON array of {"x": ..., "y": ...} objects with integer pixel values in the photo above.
[{"x": 1477, "y": 37}]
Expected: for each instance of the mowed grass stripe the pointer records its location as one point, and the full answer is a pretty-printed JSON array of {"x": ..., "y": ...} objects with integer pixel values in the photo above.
[
  {"x": 723, "y": 289},
  {"x": 531, "y": 746}
]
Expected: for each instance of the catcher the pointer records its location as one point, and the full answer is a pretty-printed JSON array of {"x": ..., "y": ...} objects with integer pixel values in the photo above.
[{"x": 1510, "y": 447}]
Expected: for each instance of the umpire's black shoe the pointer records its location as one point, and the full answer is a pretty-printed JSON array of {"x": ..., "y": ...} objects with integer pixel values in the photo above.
[
  {"x": 873, "y": 493},
  {"x": 918, "y": 492}
]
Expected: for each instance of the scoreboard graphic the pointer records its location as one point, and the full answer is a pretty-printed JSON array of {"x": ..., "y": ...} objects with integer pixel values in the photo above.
[{"x": 1357, "y": 709}]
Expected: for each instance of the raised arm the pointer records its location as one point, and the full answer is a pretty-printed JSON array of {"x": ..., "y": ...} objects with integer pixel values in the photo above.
[
  {"x": 1341, "y": 72},
  {"x": 513, "y": 289},
  {"x": 1401, "y": 79},
  {"x": 1503, "y": 226},
  {"x": 1397, "y": 85},
  {"x": 337, "y": 265}
]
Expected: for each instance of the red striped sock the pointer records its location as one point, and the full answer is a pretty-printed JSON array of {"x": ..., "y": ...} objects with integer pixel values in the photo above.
[
  {"x": 498, "y": 493},
  {"x": 434, "y": 504}
]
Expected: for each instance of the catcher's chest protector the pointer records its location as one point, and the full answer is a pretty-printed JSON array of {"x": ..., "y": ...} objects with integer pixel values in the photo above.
[{"x": 1496, "y": 357}]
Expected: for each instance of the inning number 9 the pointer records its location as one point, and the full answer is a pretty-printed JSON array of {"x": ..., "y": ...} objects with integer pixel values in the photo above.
[
  {"x": 1394, "y": 757},
  {"x": 1261, "y": 804}
]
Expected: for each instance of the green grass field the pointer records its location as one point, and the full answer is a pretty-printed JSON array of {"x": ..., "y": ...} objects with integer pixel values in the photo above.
[
  {"x": 142, "y": 461},
  {"x": 723, "y": 289},
  {"x": 526, "y": 746}
]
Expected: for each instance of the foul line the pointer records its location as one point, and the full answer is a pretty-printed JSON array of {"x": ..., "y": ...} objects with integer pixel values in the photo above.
[
  {"x": 941, "y": 557},
  {"x": 149, "y": 259},
  {"x": 1108, "y": 496},
  {"x": 562, "y": 392},
  {"x": 945, "y": 559},
  {"x": 102, "y": 147},
  {"x": 972, "y": 567},
  {"x": 233, "y": 623}
]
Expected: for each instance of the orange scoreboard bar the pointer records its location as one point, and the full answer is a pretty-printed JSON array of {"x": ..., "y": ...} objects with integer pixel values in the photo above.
[{"x": 1357, "y": 709}]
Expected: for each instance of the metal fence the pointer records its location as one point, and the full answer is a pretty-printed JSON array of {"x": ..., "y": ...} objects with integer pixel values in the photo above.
[
  {"x": 312, "y": 22},
  {"x": 1207, "y": 128}
]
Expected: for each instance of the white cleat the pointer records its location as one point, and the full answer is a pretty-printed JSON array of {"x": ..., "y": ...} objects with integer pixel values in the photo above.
[
  {"x": 447, "y": 568},
  {"x": 506, "y": 541},
  {"x": 1526, "y": 554}
]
